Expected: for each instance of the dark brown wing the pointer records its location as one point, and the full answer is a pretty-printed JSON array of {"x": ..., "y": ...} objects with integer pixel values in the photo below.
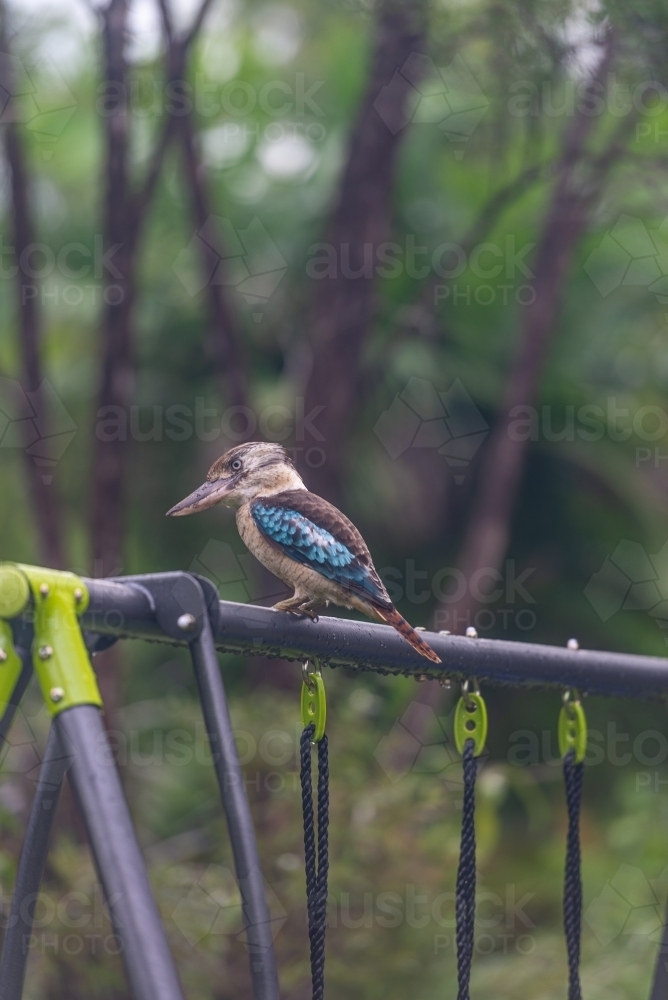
[{"x": 313, "y": 532}]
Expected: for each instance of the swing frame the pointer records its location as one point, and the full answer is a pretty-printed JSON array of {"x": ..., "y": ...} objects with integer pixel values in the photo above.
[{"x": 183, "y": 609}]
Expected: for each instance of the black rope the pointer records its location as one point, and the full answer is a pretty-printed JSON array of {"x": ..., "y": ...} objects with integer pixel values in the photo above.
[
  {"x": 572, "y": 879},
  {"x": 465, "y": 906},
  {"x": 316, "y": 861}
]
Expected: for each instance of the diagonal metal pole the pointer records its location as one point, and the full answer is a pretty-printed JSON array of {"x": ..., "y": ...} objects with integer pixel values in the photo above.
[
  {"x": 31, "y": 868},
  {"x": 120, "y": 865},
  {"x": 257, "y": 919},
  {"x": 182, "y": 607}
]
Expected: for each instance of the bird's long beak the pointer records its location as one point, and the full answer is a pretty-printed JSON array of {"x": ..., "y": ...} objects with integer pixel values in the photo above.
[{"x": 206, "y": 495}]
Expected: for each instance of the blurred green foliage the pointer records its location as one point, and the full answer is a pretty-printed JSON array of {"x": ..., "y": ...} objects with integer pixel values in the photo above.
[{"x": 588, "y": 489}]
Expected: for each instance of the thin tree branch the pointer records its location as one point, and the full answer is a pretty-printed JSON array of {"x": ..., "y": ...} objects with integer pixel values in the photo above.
[
  {"x": 166, "y": 18},
  {"x": 117, "y": 363},
  {"x": 225, "y": 342},
  {"x": 41, "y": 488},
  {"x": 198, "y": 21},
  {"x": 124, "y": 216},
  {"x": 485, "y": 222}
]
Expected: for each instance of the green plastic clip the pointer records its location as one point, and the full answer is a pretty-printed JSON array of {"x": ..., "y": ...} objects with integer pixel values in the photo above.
[
  {"x": 471, "y": 719},
  {"x": 572, "y": 727},
  {"x": 59, "y": 653},
  {"x": 10, "y": 666},
  {"x": 314, "y": 700}
]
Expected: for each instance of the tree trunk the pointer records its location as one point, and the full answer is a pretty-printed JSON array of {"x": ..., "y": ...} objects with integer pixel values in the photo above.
[
  {"x": 42, "y": 491},
  {"x": 110, "y": 448},
  {"x": 226, "y": 346},
  {"x": 344, "y": 299},
  {"x": 503, "y": 458}
]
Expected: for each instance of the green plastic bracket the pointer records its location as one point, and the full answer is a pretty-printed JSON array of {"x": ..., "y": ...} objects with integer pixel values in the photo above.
[
  {"x": 59, "y": 653},
  {"x": 10, "y": 666},
  {"x": 471, "y": 722},
  {"x": 314, "y": 701},
  {"x": 14, "y": 591},
  {"x": 572, "y": 727}
]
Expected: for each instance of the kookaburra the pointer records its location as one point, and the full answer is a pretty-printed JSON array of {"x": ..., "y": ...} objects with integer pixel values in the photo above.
[{"x": 301, "y": 538}]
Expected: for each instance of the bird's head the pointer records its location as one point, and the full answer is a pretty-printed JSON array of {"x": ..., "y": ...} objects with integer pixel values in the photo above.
[{"x": 242, "y": 473}]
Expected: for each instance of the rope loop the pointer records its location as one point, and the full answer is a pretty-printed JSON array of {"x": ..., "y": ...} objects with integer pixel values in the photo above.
[
  {"x": 316, "y": 852},
  {"x": 466, "y": 875},
  {"x": 573, "y": 746},
  {"x": 470, "y": 731}
]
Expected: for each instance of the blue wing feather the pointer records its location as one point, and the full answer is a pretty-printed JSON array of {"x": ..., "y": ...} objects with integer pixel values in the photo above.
[{"x": 308, "y": 543}]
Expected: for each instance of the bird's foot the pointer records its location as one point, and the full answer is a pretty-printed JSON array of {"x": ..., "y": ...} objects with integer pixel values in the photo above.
[
  {"x": 309, "y": 609},
  {"x": 292, "y": 605},
  {"x": 309, "y": 612},
  {"x": 298, "y": 608}
]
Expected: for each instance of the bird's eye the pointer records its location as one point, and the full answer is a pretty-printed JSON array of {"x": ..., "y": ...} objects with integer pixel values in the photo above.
[{"x": 236, "y": 465}]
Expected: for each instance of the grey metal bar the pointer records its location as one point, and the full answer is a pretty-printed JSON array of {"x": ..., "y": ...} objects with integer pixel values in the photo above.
[
  {"x": 257, "y": 919},
  {"x": 120, "y": 865},
  {"x": 31, "y": 868},
  {"x": 164, "y": 607},
  {"x": 247, "y": 628}
]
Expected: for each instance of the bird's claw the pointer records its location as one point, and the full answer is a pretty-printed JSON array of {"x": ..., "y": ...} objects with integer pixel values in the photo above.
[
  {"x": 301, "y": 612},
  {"x": 297, "y": 610}
]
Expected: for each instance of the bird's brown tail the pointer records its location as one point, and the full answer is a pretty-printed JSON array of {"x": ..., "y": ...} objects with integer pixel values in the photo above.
[{"x": 393, "y": 618}]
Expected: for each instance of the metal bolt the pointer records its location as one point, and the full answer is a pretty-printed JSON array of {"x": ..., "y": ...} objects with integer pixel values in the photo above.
[
  {"x": 3, "y": 655},
  {"x": 56, "y": 694},
  {"x": 421, "y": 677},
  {"x": 471, "y": 633},
  {"x": 445, "y": 683},
  {"x": 78, "y": 595},
  {"x": 186, "y": 622},
  {"x": 572, "y": 644},
  {"x": 45, "y": 652},
  {"x": 44, "y": 589},
  {"x": 444, "y": 631}
]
